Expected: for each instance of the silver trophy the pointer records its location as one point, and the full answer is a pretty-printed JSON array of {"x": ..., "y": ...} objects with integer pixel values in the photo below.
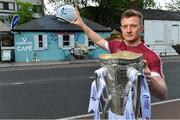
[{"x": 118, "y": 66}]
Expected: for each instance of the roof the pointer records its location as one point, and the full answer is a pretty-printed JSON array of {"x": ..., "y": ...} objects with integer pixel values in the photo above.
[
  {"x": 151, "y": 14},
  {"x": 4, "y": 27},
  {"x": 51, "y": 23}
]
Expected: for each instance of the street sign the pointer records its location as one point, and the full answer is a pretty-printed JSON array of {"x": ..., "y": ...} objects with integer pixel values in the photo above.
[{"x": 14, "y": 21}]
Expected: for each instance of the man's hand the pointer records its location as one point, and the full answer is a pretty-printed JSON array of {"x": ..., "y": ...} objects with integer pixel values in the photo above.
[
  {"x": 78, "y": 20},
  {"x": 157, "y": 84}
]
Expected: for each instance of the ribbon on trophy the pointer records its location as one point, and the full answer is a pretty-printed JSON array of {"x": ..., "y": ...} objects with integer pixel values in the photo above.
[
  {"x": 145, "y": 94},
  {"x": 96, "y": 93},
  {"x": 145, "y": 99},
  {"x": 132, "y": 75},
  {"x": 128, "y": 112}
]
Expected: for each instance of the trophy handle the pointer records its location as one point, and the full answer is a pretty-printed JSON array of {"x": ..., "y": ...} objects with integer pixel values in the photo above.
[{"x": 137, "y": 101}]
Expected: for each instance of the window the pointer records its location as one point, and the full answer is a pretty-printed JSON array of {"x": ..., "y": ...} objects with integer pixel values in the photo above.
[
  {"x": 7, "y": 5},
  {"x": 37, "y": 9},
  {"x": 7, "y": 40},
  {"x": 2, "y": 19},
  {"x": 88, "y": 42},
  {"x": 65, "y": 40},
  {"x": 11, "y": 6},
  {"x": 6, "y": 20},
  {"x": 1, "y": 5},
  {"x": 40, "y": 42}
]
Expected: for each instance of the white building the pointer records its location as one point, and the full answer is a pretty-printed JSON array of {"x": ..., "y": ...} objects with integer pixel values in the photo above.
[
  {"x": 8, "y": 7},
  {"x": 161, "y": 30}
]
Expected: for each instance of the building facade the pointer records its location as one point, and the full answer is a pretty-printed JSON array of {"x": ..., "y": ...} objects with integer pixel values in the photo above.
[
  {"x": 49, "y": 39},
  {"x": 161, "y": 30},
  {"x": 8, "y": 7}
]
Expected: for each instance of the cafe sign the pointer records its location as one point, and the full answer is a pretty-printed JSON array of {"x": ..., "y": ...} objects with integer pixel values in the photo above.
[{"x": 24, "y": 45}]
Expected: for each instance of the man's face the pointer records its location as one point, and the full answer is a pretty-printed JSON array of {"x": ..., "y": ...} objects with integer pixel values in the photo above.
[{"x": 131, "y": 28}]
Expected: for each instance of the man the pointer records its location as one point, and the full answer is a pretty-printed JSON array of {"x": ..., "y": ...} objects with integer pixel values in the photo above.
[{"x": 131, "y": 27}]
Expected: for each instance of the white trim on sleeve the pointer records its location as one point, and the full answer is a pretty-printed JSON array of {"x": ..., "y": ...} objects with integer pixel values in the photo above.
[
  {"x": 154, "y": 74},
  {"x": 106, "y": 46}
]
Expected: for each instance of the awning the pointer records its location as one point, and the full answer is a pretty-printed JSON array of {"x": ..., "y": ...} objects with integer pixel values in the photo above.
[{"x": 4, "y": 27}]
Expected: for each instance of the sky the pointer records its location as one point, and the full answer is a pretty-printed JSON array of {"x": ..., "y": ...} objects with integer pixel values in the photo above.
[{"x": 162, "y": 3}]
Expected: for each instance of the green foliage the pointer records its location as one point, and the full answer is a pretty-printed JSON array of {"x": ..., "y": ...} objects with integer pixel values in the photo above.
[
  {"x": 25, "y": 11},
  {"x": 173, "y": 5}
]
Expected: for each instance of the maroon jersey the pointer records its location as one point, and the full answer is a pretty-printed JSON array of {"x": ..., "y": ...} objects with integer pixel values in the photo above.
[{"x": 153, "y": 60}]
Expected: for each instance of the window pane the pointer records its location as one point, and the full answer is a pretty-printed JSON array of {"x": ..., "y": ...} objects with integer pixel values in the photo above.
[
  {"x": 66, "y": 40},
  {"x": 66, "y": 44},
  {"x": 6, "y": 6},
  {"x": 40, "y": 38},
  {"x": 40, "y": 44},
  {"x": 91, "y": 43},
  {"x": 40, "y": 41},
  {"x": 37, "y": 8},
  {"x": 1, "y": 5},
  {"x": 11, "y": 6}
]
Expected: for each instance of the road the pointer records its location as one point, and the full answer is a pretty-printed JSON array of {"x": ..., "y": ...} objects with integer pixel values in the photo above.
[
  {"x": 44, "y": 93},
  {"x": 57, "y": 91}
]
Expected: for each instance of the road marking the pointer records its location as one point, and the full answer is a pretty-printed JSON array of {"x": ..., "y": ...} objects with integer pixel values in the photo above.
[
  {"x": 78, "y": 116},
  {"x": 92, "y": 77},
  {"x": 167, "y": 101},
  {"x": 10, "y": 84}
]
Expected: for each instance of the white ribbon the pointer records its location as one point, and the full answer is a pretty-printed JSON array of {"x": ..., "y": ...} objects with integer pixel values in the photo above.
[
  {"x": 96, "y": 93},
  {"x": 128, "y": 111},
  {"x": 94, "y": 101},
  {"x": 145, "y": 99},
  {"x": 113, "y": 116}
]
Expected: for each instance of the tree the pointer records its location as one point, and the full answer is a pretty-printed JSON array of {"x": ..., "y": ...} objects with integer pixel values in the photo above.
[
  {"x": 25, "y": 11},
  {"x": 174, "y": 5},
  {"x": 75, "y": 3},
  {"x": 107, "y": 12}
]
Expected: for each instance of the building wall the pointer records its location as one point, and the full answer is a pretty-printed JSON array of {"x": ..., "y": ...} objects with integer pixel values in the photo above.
[
  {"x": 160, "y": 35},
  {"x": 161, "y": 32},
  {"x": 26, "y": 50},
  {"x": 11, "y": 7}
]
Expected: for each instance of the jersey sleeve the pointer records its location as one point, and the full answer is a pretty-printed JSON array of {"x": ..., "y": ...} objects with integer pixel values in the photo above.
[
  {"x": 155, "y": 65},
  {"x": 114, "y": 45}
]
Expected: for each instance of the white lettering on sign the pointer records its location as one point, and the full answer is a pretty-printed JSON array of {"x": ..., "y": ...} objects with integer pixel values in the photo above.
[
  {"x": 24, "y": 48},
  {"x": 24, "y": 45}
]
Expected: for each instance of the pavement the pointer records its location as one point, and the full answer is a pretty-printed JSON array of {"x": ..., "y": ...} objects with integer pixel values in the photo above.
[
  {"x": 48, "y": 63},
  {"x": 82, "y": 61}
]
